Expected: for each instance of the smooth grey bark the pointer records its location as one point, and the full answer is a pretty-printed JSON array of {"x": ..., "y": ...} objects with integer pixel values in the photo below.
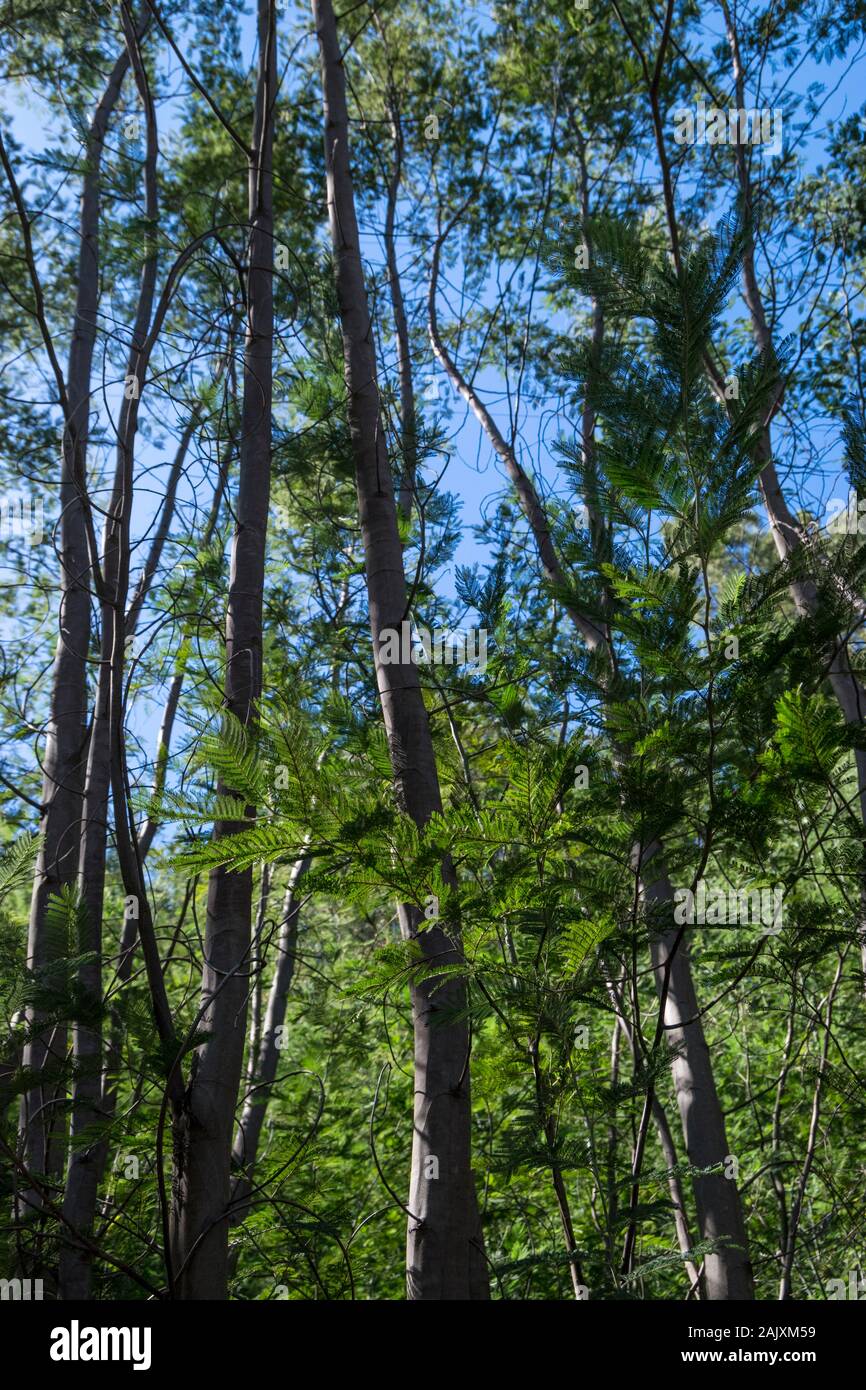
[
  {"x": 112, "y": 582},
  {"x": 203, "y": 1132},
  {"x": 66, "y": 733},
  {"x": 716, "y": 1198},
  {"x": 257, "y": 967},
  {"x": 266, "y": 1050},
  {"x": 444, "y": 1250},
  {"x": 727, "y": 1272},
  {"x": 666, "y": 1142},
  {"x": 405, "y": 376},
  {"x": 408, "y": 410}
]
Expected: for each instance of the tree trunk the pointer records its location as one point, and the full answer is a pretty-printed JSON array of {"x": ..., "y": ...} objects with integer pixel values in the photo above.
[
  {"x": 408, "y": 412},
  {"x": 66, "y": 734},
  {"x": 112, "y": 584},
  {"x": 266, "y": 1056},
  {"x": 666, "y": 1143},
  {"x": 444, "y": 1253},
  {"x": 204, "y": 1131},
  {"x": 728, "y": 1271}
]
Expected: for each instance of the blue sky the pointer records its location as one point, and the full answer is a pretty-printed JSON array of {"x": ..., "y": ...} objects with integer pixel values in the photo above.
[{"x": 474, "y": 473}]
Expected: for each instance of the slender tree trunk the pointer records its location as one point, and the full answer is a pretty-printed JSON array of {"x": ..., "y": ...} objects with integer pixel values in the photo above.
[
  {"x": 79, "y": 1201},
  {"x": 266, "y": 1054},
  {"x": 66, "y": 741},
  {"x": 728, "y": 1271},
  {"x": 666, "y": 1143},
  {"x": 257, "y": 966},
  {"x": 405, "y": 376},
  {"x": 445, "y": 1258},
  {"x": 408, "y": 411},
  {"x": 203, "y": 1134}
]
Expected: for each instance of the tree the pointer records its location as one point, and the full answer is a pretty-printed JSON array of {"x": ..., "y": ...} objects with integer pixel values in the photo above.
[
  {"x": 204, "y": 1129},
  {"x": 444, "y": 1253}
]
